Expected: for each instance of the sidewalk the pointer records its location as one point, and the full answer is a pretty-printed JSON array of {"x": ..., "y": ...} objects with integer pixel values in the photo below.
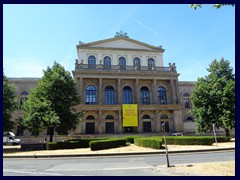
[{"x": 15, "y": 152}]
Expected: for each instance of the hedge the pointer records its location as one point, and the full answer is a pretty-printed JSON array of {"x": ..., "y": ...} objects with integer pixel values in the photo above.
[
  {"x": 223, "y": 139},
  {"x": 130, "y": 139},
  {"x": 107, "y": 144},
  {"x": 190, "y": 140},
  {"x": 70, "y": 144},
  {"x": 151, "y": 142}
]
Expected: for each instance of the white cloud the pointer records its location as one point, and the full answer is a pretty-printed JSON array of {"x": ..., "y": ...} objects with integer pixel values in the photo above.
[{"x": 23, "y": 67}]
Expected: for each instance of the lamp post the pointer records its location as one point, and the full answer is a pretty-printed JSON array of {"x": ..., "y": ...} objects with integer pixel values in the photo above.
[
  {"x": 165, "y": 140},
  {"x": 214, "y": 134}
]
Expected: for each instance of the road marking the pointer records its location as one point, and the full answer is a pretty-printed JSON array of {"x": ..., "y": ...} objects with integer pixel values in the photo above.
[{"x": 28, "y": 172}]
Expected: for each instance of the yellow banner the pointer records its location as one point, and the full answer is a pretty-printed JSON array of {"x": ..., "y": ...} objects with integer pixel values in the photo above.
[{"x": 130, "y": 115}]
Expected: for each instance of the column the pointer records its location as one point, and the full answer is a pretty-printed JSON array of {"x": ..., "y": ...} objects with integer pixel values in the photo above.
[
  {"x": 120, "y": 121},
  {"x": 154, "y": 92},
  {"x": 119, "y": 95},
  {"x": 140, "y": 125},
  {"x": 156, "y": 128},
  {"x": 100, "y": 123},
  {"x": 178, "y": 123},
  {"x": 136, "y": 91},
  {"x": 100, "y": 91},
  {"x": 177, "y": 92},
  {"x": 173, "y": 91},
  {"x": 78, "y": 85},
  {"x": 81, "y": 91}
]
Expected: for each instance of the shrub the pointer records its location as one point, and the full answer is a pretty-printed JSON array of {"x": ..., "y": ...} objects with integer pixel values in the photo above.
[
  {"x": 107, "y": 144},
  {"x": 190, "y": 140},
  {"x": 222, "y": 139},
  {"x": 151, "y": 142},
  {"x": 70, "y": 144},
  {"x": 130, "y": 139}
]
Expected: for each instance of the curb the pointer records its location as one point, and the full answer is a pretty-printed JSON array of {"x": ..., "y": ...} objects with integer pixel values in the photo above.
[{"x": 114, "y": 154}]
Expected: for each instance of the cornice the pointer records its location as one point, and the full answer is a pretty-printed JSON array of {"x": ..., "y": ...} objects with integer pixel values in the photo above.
[
  {"x": 131, "y": 74},
  {"x": 121, "y": 49},
  {"x": 141, "y": 107}
]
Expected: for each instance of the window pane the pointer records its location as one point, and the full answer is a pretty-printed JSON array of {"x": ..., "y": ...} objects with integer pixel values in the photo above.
[
  {"x": 122, "y": 63},
  {"x": 91, "y": 62},
  {"x": 127, "y": 95},
  {"x": 150, "y": 63},
  {"x": 91, "y": 95},
  {"x": 145, "y": 96},
  {"x": 109, "y": 95},
  {"x": 107, "y": 62},
  {"x": 162, "y": 98},
  {"x": 137, "y": 63}
]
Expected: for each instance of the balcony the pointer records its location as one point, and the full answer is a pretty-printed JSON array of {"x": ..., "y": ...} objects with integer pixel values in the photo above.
[{"x": 117, "y": 68}]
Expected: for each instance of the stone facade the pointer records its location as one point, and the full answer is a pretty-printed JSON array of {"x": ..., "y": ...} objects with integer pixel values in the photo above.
[{"x": 118, "y": 71}]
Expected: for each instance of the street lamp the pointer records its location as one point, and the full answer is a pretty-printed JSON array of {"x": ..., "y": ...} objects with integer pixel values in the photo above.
[
  {"x": 165, "y": 140},
  {"x": 214, "y": 134}
]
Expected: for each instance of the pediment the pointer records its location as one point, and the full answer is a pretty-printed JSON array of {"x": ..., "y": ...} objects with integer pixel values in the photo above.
[{"x": 121, "y": 43}]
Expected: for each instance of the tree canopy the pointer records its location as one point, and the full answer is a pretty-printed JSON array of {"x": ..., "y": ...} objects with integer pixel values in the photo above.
[
  {"x": 50, "y": 104},
  {"x": 217, "y": 6},
  {"x": 214, "y": 98},
  {"x": 9, "y": 104}
]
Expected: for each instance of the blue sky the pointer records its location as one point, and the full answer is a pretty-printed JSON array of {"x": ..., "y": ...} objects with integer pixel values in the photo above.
[{"x": 34, "y": 36}]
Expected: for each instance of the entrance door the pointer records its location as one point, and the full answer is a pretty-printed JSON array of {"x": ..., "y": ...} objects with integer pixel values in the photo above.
[
  {"x": 109, "y": 127},
  {"x": 166, "y": 123},
  {"x": 90, "y": 128},
  {"x": 128, "y": 129},
  {"x": 147, "y": 127}
]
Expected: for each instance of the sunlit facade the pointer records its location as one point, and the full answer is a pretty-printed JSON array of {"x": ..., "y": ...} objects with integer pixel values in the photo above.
[{"x": 121, "y": 70}]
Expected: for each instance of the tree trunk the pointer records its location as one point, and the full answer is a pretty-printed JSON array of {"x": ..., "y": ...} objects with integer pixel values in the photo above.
[
  {"x": 227, "y": 132},
  {"x": 51, "y": 134}
]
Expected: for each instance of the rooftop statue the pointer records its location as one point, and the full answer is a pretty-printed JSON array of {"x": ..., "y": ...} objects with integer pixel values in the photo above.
[{"x": 121, "y": 33}]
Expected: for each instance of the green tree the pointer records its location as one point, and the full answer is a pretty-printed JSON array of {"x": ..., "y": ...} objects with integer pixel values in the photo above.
[
  {"x": 217, "y": 6},
  {"x": 38, "y": 114},
  {"x": 214, "y": 98},
  {"x": 9, "y": 104},
  {"x": 51, "y": 104}
]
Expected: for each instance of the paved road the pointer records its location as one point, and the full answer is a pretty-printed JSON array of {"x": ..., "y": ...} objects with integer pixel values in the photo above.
[{"x": 106, "y": 166}]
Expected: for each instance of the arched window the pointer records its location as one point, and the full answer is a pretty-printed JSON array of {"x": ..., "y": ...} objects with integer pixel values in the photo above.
[
  {"x": 127, "y": 95},
  {"x": 23, "y": 97},
  {"x": 162, "y": 97},
  {"x": 90, "y": 117},
  {"x": 189, "y": 118},
  {"x": 91, "y": 95},
  {"x": 145, "y": 96},
  {"x": 146, "y": 117},
  {"x": 109, "y": 117},
  {"x": 91, "y": 62},
  {"x": 122, "y": 63},
  {"x": 164, "y": 116},
  {"x": 151, "y": 63},
  {"x": 107, "y": 62},
  {"x": 186, "y": 100},
  {"x": 109, "y": 95},
  {"x": 137, "y": 63}
]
